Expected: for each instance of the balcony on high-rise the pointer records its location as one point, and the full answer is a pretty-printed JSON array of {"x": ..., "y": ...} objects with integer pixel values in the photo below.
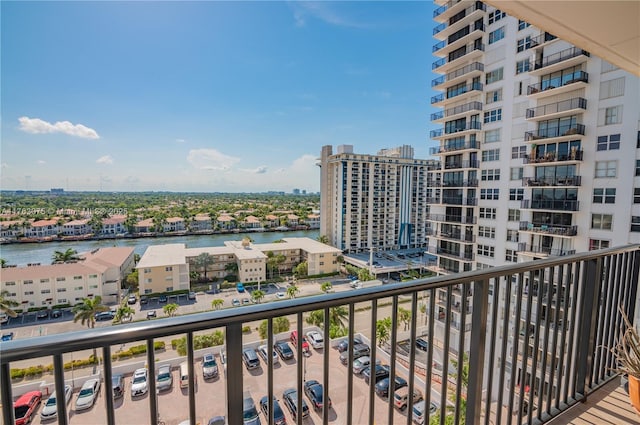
[
  {"x": 550, "y": 204},
  {"x": 553, "y": 85},
  {"x": 556, "y": 131},
  {"x": 557, "y": 109},
  {"x": 569, "y": 57}
]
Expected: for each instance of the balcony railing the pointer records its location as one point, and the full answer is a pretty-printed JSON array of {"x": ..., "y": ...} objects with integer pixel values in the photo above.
[
  {"x": 456, "y": 235},
  {"x": 490, "y": 355},
  {"x": 452, "y": 147},
  {"x": 438, "y": 28},
  {"x": 447, "y": 218},
  {"x": 550, "y": 204},
  {"x": 541, "y": 39},
  {"x": 554, "y": 108},
  {"x": 552, "y": 252},
  {"x": 450, "y": 253},
  {"x": 574, "y": 155},
  {"x": 560, "y": 57},
  {"x": 560, "y": 131},
  {"x": 469, "y": 125},
  {"x": 548, "y": 229},
  {"x": 555, "y": 181},
  {"x": 548, "y": 84},
  {"x": 461, "y": 164}
]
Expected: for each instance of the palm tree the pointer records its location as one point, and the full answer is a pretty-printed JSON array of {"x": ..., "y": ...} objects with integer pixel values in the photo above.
[
  {"x": 203, "y": 261},
  {"x": 170, "y": 309},
  {"x": 3, "y": 263},
  {"x": 231, "y": 268},
  {"x": 6, "y": 304},
  {"x": 87, "y": 309},
  {"x": 258, "y": 295},
  {"x": 326, "y": 287},
  {"x": 404, "y": 316},
  {"x": 338, "y": 316},
  {"x": 323, "y": 239},
  {"x": 217, "y": 303},
  {"x": 124, "y": 311},
  {"x": 292, "y": 291},
  {"x": 65, "y": 257}
]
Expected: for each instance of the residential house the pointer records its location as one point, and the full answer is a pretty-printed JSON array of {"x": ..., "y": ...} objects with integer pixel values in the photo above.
[
  {"x": 174, "y": 224},
  {"x": 43, "y": 228},
  {"x": 114, "y": 225},
  {"x": 144, "y": 226},
  {"x": 77, "y": 227},
  {"x": 226, "y": 222},
  {"x": 313, "y": 221},
  {"x": 201, "y": 223}
]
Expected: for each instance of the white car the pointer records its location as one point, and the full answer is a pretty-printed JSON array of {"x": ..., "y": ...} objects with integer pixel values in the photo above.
[
  {"x": 139, "y": 382},
  {"x": 88, "y": 394},
  {"x": 315, "y": 339},
  {"x": 361, "y": 364},
  {"x": 280, "y": 295},
  {"x": 50, "y": 409},
  {"x": 262, "y": 350}
]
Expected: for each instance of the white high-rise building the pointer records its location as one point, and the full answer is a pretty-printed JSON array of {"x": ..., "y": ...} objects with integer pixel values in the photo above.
[
  {"x": 539, "y": 149},
  {"x": 374, "y": 201}
]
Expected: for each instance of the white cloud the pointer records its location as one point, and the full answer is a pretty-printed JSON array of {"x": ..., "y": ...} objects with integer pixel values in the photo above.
[
  {"x": 258, "y": 170},
  {"x": 41, "y": 162},
  {"x": 325, "y": 12},
  {"x": 211, "y": 159},
  {"x": 106, "y": 159},
  {"x": 38, "y": 126},
  {"x": 180, "y": 141}
]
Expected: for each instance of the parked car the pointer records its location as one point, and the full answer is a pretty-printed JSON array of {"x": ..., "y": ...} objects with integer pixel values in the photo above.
[
  {"x": 382, "y": 386},
  {"x": 422, "y": 344},
  {"x": 117, "y": 383},
  {"x": 139, "y": 382},
  {"x": 240, "y": 287},
  {"x": 250, "y": 358},
  {"x": 4, "y": 318},
  {"x": 132, "y": 299},
  {"x": 290, "y": 397},
  {"x": 223, "y": 361},
  {"x": 418, "y": 411},
  {"x": 235, "y": 302},
  {"x": 50, "y": 409},
  {"x": 246, "y": 301},
  {"x": 7, "y": 336},
  {"x": 151, "y": 314},
  {"x": 104, "y": 315},
  {"x": 144, "y": 299},
  {"x": 315, "y": 339},
  {"x": 192, "y": 295},
  {"x": 361, "y": 363},
  {"x": 280, "y": 295},
  {"x": 294, "y": 341},
  {"x": 42, "y": 314},
  {"x": 359, "y": 350},
  {"x": 88, "y": 394},
  {"x": 401, "y": 397},
  {"x": 278, "y": 414},
  {"x": 344, "y": 344},
  {"x": 313, "y": 390},
  {"x": 381, "y": 372},
  {"x": 262, "y": 350},
  {"x": 56, "y": 313},
  {"x": 283, "y": 349},
  {"x": 164, "y": 379},
  {"x": 249, "y": 411},
  {"x": 25, "y": 407},
  {"x": 216, "y": 420},
  {"x": 209, "y": 366},
  {"x": 163, "y": 299}
]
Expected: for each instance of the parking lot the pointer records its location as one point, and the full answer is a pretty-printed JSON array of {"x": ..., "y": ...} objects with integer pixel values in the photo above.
[{"x": 211, "y": 395}]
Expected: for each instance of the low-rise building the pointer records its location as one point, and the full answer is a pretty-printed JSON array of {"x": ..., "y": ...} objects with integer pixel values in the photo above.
[
  {"x": 144, "y": 226},
  {"x": 114, "y": 225},
  {"x": 313, "y": 221},
  {"x": 77, "y": 228},
  {"x": 99, "y": 272},
  {"x": 42, "y": 228},
  {"x": 174, "y": 224},
  {"x": 201, "y": 223}
]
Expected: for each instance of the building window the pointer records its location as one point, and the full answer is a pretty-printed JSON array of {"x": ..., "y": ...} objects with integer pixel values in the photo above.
[
  {"x": 597, "y": 244},
  {"x": 522, "y": 66},
  {"x": 523, "y": 44},
  {"x": 511, "y": 256},
  {"x": 611, "y": 142},
  {"x": 636, "y": 195},
  {"x": 149, "y": 280},
  {"x": 522, "y": 25},
  {"x": 612, "y": 115},
  {"x": 516, "y": 173},
  {"x": 45, "y": 291},
  {"x": 77, "y": 278},
  {"x": 62, "y": 289},
  {"x": 609, "y": 169},
  {"x": 490, "y": 175},
  {"x": 10, "y": 283},
  {"x": 487, "y": 232},
  {"x": 638, "y": 140},
  {"x": 491, "y": 136},
  {"x": 516, "y": 194},
  {"x": 490, "y": 194},
  {"x": 491, "y": 155},
  {"x": 604, "y": 196},
  {"x": 496, "y": 15},
  {"x": 28, "y": 292},
  {"x": 493, "y": 76},
  {"x": 168, "y": 269},
  {"x": 518, "y": 152},
  {"x": 28, "y": 282},
  {"x": 494, "y": 96},
  {"x": 601, "y": 221},
  {"x": 147, "y": 270},
  {"x": 635, "y": 223},
  {"x": 78, "y": 288},
  {"x": 493, "y": 115},
  {"x": 169, "y": 288},
  {"x": 60, "y": 279},
  {"x": 637, "y": 167},
  {"x": 488, "y": 213},
  {"x": 497, "y": 35},
  {"x": 486, "y": 250},
  {"x": 513, "y": 235},
  {"x": 93, "y": 276},
  {"x": 514, "y": 215}
]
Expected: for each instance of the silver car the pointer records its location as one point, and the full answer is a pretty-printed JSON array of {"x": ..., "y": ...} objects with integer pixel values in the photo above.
[
  {"x": 50, "y": 409},
  {"x": 88, "y": 394},
  {"x": 139, "y": 385},
  {"x": 209, "y": 366},
  {"x": 164, "y": 380}
]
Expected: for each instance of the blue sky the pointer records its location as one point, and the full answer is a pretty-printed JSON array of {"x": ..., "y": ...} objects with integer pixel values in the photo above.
[{"x": 206, "y": 96}]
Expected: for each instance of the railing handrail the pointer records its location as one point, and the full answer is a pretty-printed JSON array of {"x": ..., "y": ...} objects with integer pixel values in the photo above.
[{"x": 29, "y": 348}]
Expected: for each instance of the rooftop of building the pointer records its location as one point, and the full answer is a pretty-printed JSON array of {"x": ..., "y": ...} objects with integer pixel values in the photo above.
[{"x": 162, "y": 255}]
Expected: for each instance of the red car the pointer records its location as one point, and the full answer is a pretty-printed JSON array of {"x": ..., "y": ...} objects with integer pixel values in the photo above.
[
  {"x": 294, "y": 341},
  {"x": 26, "y": 406}
]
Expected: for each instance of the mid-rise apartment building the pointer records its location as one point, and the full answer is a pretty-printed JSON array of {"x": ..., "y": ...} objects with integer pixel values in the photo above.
[
  {"x": 374, "y": 201},
  {"x": 539, "y": 149}
]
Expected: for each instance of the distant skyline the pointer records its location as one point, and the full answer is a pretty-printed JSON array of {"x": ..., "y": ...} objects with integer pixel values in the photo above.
[{"x": 206, "y": 96}]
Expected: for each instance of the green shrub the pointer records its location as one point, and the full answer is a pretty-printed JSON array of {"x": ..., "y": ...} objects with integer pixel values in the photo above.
[
  {"x": 158, "y": 345},
  {"x": 246, "y": 329},
  {"x": 33, "y": 371},
  {"x": 138, "y": 349},
  {"x": 174, "y": 343},
  {"x": 17, "y": 373}
]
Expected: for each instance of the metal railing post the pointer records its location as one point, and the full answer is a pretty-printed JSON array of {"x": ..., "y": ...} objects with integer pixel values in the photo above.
[
  {"x": 234, "y": 373},
  {"x": 7, "y": 414},
  {"x": 476, "y": 353},
  {"x": 588, "y": 302}
]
